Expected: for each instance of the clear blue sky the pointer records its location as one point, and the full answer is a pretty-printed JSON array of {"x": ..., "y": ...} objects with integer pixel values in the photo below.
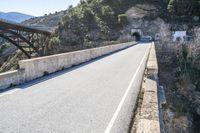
[{"x": 35, "y": 7}]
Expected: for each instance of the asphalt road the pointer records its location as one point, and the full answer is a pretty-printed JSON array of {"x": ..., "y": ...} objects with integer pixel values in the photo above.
[{"x": 96, "y": 97}]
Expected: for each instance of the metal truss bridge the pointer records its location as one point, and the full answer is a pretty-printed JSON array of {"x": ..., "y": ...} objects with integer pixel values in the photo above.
[{"x": 30, "y": 41}]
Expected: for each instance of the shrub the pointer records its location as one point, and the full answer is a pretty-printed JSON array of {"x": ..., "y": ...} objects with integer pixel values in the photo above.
[
  {"x": 122, "y": 19},
  {"x": 54, "y": 44},
  {"x": 54, "y": 41},
  {"x": 46, "y": 73}
]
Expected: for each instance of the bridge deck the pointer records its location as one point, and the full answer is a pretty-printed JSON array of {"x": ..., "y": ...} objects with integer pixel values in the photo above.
[{"x": 81, "y": 99}]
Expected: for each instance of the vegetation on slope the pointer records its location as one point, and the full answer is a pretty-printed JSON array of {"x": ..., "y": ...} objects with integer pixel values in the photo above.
[
  {"x": 100, "y": 20},
  {"x": 48, "y": 20},
  {"x": 183, "y": 10},
  {"x": 91, "y": 21},
  {"x": 184, "y": 7},
  {"x": 179, "y": 73},
  {"x": 87, "y": 25}
]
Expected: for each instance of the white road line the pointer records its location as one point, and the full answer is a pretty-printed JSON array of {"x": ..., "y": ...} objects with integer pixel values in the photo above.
[
  {"x": 112, "y": 121},
  {"x": 9, "y": 92}
]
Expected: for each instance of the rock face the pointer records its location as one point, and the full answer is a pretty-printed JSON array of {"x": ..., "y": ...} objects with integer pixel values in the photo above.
[{"x": 147, "y": 17}]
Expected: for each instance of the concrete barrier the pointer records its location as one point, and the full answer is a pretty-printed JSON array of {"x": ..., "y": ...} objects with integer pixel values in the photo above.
[
  {"x": 34, "y": 68},
  {"x": 37, "y": 67},
  {"x": 11, "y": 78},
  {"x": 148, "y": 115},
  {"x": 152, "y": 65}
]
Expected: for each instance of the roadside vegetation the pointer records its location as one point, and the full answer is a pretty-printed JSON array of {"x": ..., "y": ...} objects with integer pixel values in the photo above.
[
  {"x": 179, "y": 74},
  {"x": 183, "y": 7}
]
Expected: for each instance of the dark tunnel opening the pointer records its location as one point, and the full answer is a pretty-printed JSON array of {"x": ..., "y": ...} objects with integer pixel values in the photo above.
[{"x": 136, "y": 36}]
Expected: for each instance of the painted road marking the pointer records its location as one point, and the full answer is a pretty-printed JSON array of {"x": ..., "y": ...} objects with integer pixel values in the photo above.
[{"x": 112, "y": 121}]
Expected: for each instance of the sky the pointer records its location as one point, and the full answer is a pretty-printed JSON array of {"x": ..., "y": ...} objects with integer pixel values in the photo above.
[{"x": 35, "y": 7}]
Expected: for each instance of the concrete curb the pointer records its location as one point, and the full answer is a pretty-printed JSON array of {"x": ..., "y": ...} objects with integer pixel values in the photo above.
[{"x": 149, "y": 113}]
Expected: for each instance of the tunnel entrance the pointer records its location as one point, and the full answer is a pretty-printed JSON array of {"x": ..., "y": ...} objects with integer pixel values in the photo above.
[{"x": 136, "y": 36}]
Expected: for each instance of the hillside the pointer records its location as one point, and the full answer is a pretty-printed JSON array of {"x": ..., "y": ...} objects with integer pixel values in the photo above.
[
  {"x": 10, "y": 55},
  {"x": 15, "y": 16},
  {"x": 91, "y": 23},
  {"x": 49, "y": 20}
]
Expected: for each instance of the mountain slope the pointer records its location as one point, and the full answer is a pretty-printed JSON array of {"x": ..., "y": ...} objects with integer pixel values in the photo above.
[
  {"x": 49, "y": 21},
  {"x": 14, "y": 16}
]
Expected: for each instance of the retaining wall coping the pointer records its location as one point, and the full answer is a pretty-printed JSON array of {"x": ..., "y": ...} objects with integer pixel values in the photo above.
[
  {"x": 149, "y": 113},
  {"x": 148, "y": 126}
]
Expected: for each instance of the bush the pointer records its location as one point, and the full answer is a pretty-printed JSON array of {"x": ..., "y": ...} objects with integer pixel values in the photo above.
[
  {"x": 54, "y": 42},
  {"x": 4, "y": 46},
  {"x": 122, "y": 19}
]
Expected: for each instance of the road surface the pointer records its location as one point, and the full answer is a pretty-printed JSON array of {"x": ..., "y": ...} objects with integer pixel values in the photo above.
[{"x": 96, "y": 97}]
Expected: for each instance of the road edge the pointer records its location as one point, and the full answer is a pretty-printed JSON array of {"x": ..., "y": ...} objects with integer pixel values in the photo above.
[{"x": 147, "y": 115}]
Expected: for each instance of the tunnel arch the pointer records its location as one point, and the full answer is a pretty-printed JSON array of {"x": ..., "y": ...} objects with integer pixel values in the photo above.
[{"x": 136, "y": 36}]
